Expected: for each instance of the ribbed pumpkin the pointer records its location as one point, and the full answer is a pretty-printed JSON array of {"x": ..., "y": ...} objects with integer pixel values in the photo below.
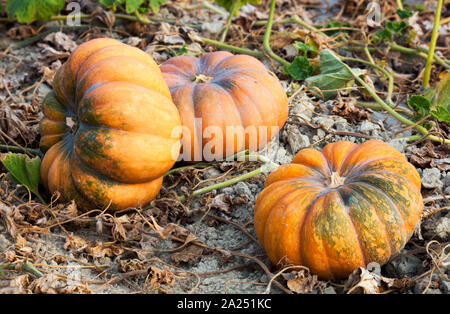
[
  {"x": 339, "y": 209},
  {"x": 222, "y": 92},
  {"x": 109, "y": 127}
]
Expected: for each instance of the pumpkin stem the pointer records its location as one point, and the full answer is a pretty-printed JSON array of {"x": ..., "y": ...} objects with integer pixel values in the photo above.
[
  {"x": 201, "y": 78},
  {"x": 335, "y": 180},
  {"x": 72, "y": 124}
]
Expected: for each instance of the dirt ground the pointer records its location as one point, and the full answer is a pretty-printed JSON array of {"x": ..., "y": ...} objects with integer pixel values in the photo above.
[{"x": 207, "y": 244}]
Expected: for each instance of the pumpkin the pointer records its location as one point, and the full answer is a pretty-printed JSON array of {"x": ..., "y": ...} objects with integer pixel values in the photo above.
[
  {"x": 227, "y": 103},
  {"x": 339, "y": 209},
  {"x": 109, "y": 127}
]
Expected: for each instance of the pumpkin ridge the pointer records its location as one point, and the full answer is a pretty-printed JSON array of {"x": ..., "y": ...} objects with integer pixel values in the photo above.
[
  {"x": 279, "y": 199},
  {"x": 345, "y": 159},
  {"x": 267, "y": 92},
  {"x": 354, "y": 171},
  {"x": 358, "y": 240},
  {"x": 308, "y": 211},
  {"x": 251, "y": 100},
  {"x": 292, "y": 207},
  {"x": 203, "y": 67},
  {"x": 388, "y": 198},
  {"x": 386, "y": 237},
  {"x": 231, "y": 98},
  {"x": 412, "y": 188}
]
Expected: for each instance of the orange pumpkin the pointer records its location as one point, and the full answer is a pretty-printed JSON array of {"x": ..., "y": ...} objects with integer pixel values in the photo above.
[
  {"x": 109, "y": 127},
  {"x": 227, "y": 103},
  {"x": 339, "y": 209}
]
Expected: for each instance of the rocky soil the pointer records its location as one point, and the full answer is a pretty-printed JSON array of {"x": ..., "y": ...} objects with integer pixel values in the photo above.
[{"x": 207, "y": 245}]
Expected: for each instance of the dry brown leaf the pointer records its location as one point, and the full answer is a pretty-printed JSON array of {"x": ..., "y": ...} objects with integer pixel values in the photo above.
[
  {"x": 190, "y": 255},
  {"x": 130, "y": 265},
  {"x": 367, "y": 282},
  {"x": 51, "y": 284},
  {"x": 300, "y": 281},
  {"x": 160, "y": 277},
  {"x": 18, "y": 285},
  {"x": 345, "y": 107}
]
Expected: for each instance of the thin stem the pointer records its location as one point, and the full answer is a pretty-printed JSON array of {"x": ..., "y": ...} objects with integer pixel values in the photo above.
[
  {"x": 266, "y": 42},
  {"x": 231, "y": 48},
  {"x": 389, "y": 109},
  {"x": 212, "y": 7},
  {"x": 434, "y": 36},
  {"x": 234, "y": 8},
  {"x": 384, "y": 71},
  {"x": 419, "y": 52},
  {"x": 15, "y": 149},
  {"x": 267, "y": 166},
  {"x": 400, "y": 4},
  {"x": 28, "y": 267}
]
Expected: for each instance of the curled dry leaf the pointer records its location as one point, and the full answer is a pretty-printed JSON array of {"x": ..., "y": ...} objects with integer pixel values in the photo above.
[
  {"x": 368, "y": 282},
  {"x": 160, "y": 277},
  {"x": 51, "y": 284},
  {"x": 431, "y": 156},
  {"x": 345, "y": 107},
  {"x": 18, "y": 285},
  {"x": 78, "y": 245},
  {"x": 130, "y": 265},
  {"x": 61, "y": 41},
  {"x": 300, "y": 281}
]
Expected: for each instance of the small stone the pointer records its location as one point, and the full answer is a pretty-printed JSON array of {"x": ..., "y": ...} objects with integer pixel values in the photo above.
[
  {"x": 325, "y": 121},
  {"x": 241, "y": 188},
  {"x": 43, "y": 89},
  {"x": 211, "y": 173},
  {"x": 290, "y": 51},
  {"x": 409, "y": 265},
  {"x": 212, "y": 28},
  {"x": 431, "y": 178},
  {"x": 398, "y": 144},
  {"x": 437, "y": 227},
  {"x": 367, "y": 127},
  {"x": 296, "y": 140}
]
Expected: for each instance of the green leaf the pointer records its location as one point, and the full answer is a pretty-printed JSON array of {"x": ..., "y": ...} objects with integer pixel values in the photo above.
[
  {"x": 420, "y": 104},
  {"x": 111, "y": 4},
  {"x": 396, "y": 27},
  {"x": 404, "y": 14},
  {"x": 333, "y": 76},
  {"x": 299, "y": 69},
  {"x": 133, "y": 5},
  {"x": 23, "y": 170},
  {"x": 27, "y": 11},
  {"x": 382, "y": 35},
  {"x": 419, "y": 7},
  {"x": 155, "y": 4},
  {"x": 305, "y": 47},
  {"x": 441, "y": 114},
  {"x": 439, "y": 95},
  {"x": 228, "y": 4}
]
